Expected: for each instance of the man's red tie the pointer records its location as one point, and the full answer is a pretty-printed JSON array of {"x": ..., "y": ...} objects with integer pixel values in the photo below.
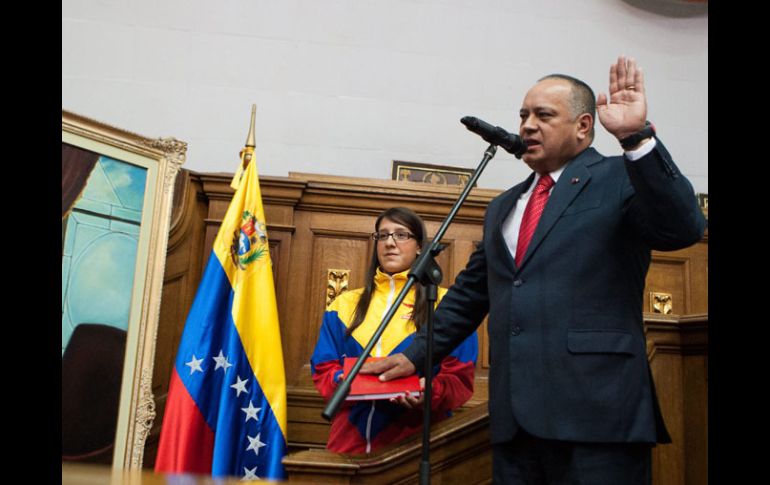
[{"x": 532, "y": 214}]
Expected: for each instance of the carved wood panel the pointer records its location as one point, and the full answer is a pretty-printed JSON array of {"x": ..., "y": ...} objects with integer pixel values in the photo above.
[
  {"x": 684, "y": 275},
  {"x": 668, "y": 275}
]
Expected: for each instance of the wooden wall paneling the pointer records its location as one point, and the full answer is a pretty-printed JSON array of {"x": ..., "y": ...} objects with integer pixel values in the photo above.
[
  {"x": 698, "y": 276},
  {"x": 675, "y": 345},
  {"x": 218, "y": 193},
  {"x": 668, "y": 460},
  {"x": 296, "y": 327},
  {"x": 213, "y": 221},
  {"x": 445, "y": 261},
  {"x": 696, "y": 419},
  {"x": 279, "y": 197},
  {"x": 279, "y": 240},
  {"x": 324, "y": 193},
  {"x": 695, "y": 395},
  {"x": 682, "y": 273},
  {"x": 663, "y": 342}
]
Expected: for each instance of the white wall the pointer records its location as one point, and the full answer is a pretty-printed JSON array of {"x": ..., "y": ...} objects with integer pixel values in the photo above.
[{"x": 345, "y": 86}]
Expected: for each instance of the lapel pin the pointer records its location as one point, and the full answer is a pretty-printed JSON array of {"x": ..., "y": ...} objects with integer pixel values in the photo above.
[{"x": 574, "y": 180}]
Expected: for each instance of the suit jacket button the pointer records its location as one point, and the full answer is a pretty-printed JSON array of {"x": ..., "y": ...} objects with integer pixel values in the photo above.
[
  {"x": 516, "y": 330},
  {"x": 517, "y": 283}
]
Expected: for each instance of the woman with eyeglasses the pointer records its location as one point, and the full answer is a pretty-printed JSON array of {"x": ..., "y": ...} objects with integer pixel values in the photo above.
[{"x": 351, "y": 320}]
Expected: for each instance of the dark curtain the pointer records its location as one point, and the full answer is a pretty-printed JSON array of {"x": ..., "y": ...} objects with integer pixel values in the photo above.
[{"x": 76, "y": 166}]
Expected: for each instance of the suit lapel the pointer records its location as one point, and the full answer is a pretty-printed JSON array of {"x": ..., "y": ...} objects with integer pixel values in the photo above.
[
  {"x": 506, "y": 206},
  {"x": 571, "y": 182}
]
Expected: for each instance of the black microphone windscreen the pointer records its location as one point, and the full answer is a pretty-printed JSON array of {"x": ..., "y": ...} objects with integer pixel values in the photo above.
[{"x": 495, "y": 135}]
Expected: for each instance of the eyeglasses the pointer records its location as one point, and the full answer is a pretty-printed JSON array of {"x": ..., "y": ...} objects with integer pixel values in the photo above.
[{"x": 397, "y": 236}]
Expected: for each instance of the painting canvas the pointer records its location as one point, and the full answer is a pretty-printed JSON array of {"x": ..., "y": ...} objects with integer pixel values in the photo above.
[{"x": 100, "y": 239}]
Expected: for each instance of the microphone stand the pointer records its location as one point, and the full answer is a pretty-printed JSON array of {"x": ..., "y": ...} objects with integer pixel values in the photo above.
[{"x": 428, "y": 273}]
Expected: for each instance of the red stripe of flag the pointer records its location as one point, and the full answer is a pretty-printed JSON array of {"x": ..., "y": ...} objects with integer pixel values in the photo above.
[{"x": 175, "y": 455}]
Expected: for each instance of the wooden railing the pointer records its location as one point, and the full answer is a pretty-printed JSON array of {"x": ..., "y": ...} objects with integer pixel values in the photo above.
[{"x": 460, "y": 452}]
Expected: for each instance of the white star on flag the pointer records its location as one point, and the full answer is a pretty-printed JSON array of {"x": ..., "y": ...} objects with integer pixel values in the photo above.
[
  {"x": 250, "y": 474},
  {"x": 222, "y": 362},
  {"x": 251, "y": 412},
  {"x": 195, "y": 365},
  {"x": 255, "y": 444},
  {"x": 240, "y": 385}
]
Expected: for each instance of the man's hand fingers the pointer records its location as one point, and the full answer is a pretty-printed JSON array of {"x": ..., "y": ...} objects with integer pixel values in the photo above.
[
  {"x": 602, "y": 99},
  {"x": 379, "y": 366},
  {"x": 639, "y": 80},
  {"x": 372, "y": 367},
  {"x": 621, "y": 69},
  {"x": 404, "y": 367},
  {"x": 390, "y": 367},
  {"x": 613, "y": 79}
]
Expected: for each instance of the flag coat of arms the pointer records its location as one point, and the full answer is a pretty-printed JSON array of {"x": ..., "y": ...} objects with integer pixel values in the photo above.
[{"x": 226, "y": 409}]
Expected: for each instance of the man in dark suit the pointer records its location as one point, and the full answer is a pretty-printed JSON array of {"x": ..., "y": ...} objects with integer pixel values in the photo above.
[{"x": 561, "y": 272}]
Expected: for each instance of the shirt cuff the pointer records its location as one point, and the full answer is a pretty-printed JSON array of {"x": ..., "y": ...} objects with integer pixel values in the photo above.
[{"x": 643, "y": 150}]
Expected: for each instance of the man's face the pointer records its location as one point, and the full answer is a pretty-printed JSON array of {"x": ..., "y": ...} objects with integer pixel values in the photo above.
[{"x": 548, "y": 127}]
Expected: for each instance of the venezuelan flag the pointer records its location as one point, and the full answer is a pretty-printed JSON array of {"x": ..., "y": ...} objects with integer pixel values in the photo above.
[{"x": 226, "y": 408}]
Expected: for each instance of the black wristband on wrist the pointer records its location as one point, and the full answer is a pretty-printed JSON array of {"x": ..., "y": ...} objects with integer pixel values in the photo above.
[{"x": 631, "y": 141}]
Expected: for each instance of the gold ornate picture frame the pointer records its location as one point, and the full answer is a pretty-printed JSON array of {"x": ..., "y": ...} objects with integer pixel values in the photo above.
[
  {"x": 161, "y": 160},
  {"x": 430, "y": 173}
]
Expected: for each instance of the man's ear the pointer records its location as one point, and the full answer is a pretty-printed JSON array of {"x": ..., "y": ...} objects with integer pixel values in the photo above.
[{"x": 585, "y": 126}]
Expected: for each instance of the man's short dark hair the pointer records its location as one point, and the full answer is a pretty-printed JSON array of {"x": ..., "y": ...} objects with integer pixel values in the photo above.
[{"x": 582, "y": 100}]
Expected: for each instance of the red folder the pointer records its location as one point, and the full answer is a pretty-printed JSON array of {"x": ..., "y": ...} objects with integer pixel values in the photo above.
[{"x": 368, "y": 387}]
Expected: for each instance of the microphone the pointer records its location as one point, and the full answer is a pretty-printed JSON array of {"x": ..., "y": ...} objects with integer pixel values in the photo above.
[{"x": 496, "y": 135}]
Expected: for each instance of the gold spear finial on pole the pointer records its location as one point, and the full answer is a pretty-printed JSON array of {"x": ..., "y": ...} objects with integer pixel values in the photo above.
[
  {"x": 250, "y": 141},
  {"x": 247, "y": 154}
]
